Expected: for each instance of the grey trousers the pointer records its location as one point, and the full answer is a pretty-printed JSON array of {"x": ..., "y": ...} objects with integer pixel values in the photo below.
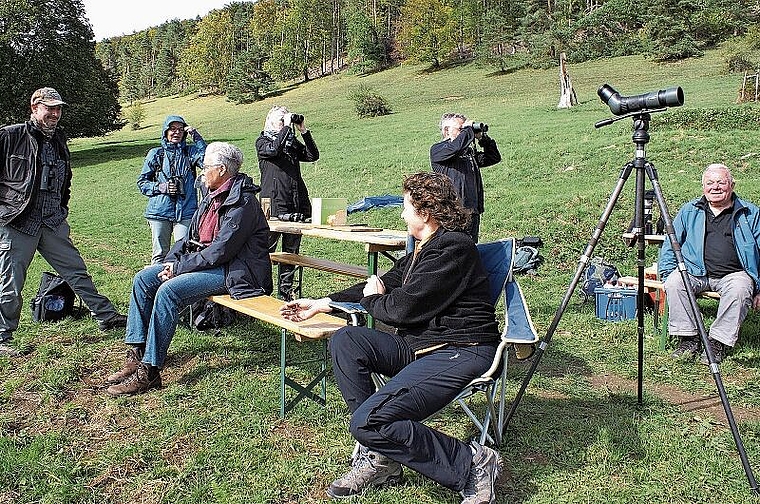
[
  {"x": 16, "y": 253},
  {"x": 735, "y": 292}
]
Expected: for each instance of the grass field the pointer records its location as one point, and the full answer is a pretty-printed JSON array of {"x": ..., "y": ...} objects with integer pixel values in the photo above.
[{"x": 212, "y": 434}]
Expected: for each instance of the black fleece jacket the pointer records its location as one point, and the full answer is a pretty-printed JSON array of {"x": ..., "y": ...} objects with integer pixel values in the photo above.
[{"x": 441, "y": 295}]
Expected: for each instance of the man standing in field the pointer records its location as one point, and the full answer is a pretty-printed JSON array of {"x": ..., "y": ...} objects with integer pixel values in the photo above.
[
  {"x": 35, "y": 186},
  {"x": 456, "y": 157},
  {"x": 719, "y": 235}
]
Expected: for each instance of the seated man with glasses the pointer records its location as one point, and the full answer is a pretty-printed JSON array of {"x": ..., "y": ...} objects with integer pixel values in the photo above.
[
  {"x": 225, "y": 251},
  {"x": 718, "y": 234}
]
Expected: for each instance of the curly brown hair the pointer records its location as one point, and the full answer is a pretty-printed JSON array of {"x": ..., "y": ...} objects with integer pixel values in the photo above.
[{"x": 432, "y": 194}]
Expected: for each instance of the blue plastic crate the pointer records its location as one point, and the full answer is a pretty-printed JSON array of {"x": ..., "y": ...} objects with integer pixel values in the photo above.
[{"x": 615, "y": 304}]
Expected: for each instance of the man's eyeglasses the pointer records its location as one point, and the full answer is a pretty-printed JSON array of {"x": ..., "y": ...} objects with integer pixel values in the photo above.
[
  {"x": 176, "y": 129},
  {"x": 207, "y": 166}
]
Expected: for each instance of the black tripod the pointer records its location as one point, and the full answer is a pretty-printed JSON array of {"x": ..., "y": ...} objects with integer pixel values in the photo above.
[{"x": 641, "y": 118}]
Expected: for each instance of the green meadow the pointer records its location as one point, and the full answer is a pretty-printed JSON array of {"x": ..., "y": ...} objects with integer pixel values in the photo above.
[{"x": 212, "y": 434}]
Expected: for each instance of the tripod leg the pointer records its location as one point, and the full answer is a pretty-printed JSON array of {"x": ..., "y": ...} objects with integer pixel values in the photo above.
[
  {"x": 697, "y": 316},
  {"x": 639, "y": 164},
  {"x": 582, "y": 263}
]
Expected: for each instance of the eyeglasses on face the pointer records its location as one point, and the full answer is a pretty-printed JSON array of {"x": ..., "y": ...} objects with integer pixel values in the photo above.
[{"x": 176, "y": 129}]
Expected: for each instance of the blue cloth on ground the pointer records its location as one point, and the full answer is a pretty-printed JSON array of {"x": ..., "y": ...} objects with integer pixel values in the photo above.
[{"x": 369, "y": 202}]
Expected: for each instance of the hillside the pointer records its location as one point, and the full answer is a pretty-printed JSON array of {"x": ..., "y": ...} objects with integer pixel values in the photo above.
[{"x": 212, "y": 433}]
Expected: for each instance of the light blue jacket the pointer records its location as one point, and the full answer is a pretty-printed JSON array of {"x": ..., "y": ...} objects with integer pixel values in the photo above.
[
  {"x": 169, "y": 160},
  {"x": 689, "y": 226}
]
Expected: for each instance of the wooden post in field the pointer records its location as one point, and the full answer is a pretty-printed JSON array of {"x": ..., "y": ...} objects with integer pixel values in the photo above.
[{"x": 567, "y": 96}]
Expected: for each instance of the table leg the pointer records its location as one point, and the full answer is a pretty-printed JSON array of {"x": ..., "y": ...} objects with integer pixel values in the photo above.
[{"x": 372, "y": 258}]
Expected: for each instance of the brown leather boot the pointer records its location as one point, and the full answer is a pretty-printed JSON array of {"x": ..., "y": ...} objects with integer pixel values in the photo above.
[
  {"x": 143, "y": 379},
  {"x": 134, "y": 354}
]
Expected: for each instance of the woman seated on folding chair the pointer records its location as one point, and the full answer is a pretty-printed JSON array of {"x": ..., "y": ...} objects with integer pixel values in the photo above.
[{"x": 438, "y": 298}]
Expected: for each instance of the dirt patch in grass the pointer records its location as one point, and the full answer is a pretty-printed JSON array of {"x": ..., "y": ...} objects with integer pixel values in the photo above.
[{"x": 700, "y": 404}]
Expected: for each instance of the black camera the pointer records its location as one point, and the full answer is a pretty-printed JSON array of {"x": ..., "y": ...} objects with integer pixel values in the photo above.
[
  {"x": 175, "y": 186},
  {"x": 479, "y": 127},
  {"x": 621, "y": 105},
  {"x": 296, "y": 118},
  {"x": 292, "y": 217},
  {"x": 194, "y": 246}
]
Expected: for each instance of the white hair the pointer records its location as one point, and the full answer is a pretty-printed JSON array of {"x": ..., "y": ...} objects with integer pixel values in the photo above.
[
  {"x": 274, "y": 120},
  {"x": 228, "y": 155},
  {"x": 718, "y": 167}
]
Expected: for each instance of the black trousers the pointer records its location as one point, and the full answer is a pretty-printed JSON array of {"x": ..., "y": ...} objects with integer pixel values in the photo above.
[
  {"x": 290, "y": 243},
  {"x": 389, "y": 420}
]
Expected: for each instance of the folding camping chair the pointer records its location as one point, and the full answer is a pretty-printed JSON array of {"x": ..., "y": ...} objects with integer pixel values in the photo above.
[
  {"x": 518, "y": 331},
  {"x": 498, "y": 259}
]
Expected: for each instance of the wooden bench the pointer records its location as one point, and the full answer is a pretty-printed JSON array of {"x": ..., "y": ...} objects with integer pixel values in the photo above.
[
  {"x": 302, "y": 261},
  {"x": 318, "y": 328},
  {"x": 319, "y": 264},
  {"x": 659, "y": 301}
]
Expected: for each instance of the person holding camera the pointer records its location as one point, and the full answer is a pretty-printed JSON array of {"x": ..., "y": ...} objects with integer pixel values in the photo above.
[
  {"x": 225, "y": 251},
  {"x": 35, "y": 175},
  {"x": 168, "y": 180},
  {"x": 457, "y": 157},
  {"x": 280, "y": 155}
]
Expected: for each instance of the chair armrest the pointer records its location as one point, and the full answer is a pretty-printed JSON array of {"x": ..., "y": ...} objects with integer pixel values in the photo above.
[{"x": 355, "y": 310}]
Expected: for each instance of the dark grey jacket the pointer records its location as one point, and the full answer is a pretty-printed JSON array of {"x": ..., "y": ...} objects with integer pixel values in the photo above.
[
  {"x": 461, "y": 163},
  {"x": 20, "y": 171},
  {"x": 241, "y": 245}
]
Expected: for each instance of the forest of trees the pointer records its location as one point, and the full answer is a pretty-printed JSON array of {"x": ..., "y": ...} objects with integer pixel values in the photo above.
[{"x": 247, "y": 49}]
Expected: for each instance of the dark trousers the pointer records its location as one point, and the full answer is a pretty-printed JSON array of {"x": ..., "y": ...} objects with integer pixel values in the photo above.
[
  {"x": 290, "y": 243},
  {"x": 389, "y": 421},
  {"x": 474, "y": 229}
]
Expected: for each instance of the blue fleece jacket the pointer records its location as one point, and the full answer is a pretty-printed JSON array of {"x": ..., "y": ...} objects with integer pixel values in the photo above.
[{"x": 689, "y": 225}]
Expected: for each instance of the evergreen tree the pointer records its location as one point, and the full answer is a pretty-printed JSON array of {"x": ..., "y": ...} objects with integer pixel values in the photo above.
[
  {"x": 50, "y": 43},
  {"x": 365, "y": 51}
]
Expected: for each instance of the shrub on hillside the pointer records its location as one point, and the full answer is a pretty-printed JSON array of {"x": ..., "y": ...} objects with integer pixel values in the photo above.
[
  {"x": 368, "y": 103},
  {"x": 136, "y": 115}
]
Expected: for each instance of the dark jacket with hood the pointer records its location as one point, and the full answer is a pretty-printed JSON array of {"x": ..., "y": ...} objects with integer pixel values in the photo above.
[
  {"x": 241, "y": 245},
  {"x": 458, "y": 160},
  {"x": 170, "y": 160},
  {"x": 21, "y": 169},
  {"x": 279, "y": 161},
  {"x": 439, "y": 295}
]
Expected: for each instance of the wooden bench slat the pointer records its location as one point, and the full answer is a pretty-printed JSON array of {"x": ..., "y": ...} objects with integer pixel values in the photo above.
[
  {"x": 267, "y": 309},
  {"x": 319, "y": 264}
]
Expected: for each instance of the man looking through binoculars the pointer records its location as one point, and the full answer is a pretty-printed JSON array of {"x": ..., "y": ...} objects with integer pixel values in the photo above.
[
  {"x": 168, "y": 180},
  {"x": 456, "y": 157}
]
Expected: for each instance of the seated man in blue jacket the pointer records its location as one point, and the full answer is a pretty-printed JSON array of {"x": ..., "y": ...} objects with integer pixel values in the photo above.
[
  {"x": 225, "y": 251},
  {"x": 718, "y": 234}
]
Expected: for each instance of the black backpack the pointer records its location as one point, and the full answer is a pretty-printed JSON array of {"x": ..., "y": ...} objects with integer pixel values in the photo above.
[
  {"x": 209, "y": 315},
  {"x": 527, "y": 257},
  {"x": 55, "y": 299}
]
